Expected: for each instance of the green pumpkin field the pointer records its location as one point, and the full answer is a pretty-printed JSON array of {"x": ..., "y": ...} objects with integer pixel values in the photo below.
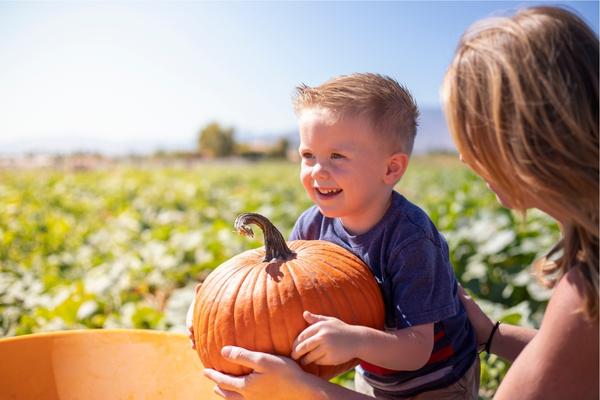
[{"x": 123, "y": 246}]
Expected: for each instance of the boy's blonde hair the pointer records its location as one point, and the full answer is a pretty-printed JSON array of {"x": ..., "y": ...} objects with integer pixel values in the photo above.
[
  {"x": 387, "y": 105},
  {"x": 521, "y": 101}
]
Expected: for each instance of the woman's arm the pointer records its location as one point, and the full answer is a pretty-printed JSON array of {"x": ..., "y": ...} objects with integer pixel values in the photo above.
[
  {"x": 508, "y": 340},
  {"x": 561, "y": 361},
  {"x": 274, "y": 378},
  {"x": 189, "y": 318}
]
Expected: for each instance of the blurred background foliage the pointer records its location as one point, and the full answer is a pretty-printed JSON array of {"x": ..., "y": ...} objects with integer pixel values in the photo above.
[{"x": 123, "y": 247}]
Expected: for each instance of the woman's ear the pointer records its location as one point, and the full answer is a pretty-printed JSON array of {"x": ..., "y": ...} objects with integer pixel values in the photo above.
[{"x": 396, "y": 167}]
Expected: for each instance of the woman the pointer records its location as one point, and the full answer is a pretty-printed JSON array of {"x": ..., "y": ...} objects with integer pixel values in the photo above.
[{"x": 521, "y": 100}]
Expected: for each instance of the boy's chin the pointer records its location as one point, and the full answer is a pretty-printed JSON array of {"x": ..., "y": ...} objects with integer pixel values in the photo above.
[{"x": 328, "y": 213}]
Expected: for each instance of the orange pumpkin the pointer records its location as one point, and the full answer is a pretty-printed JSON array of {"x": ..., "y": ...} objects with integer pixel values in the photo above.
[{"x": 256, "y": 299}]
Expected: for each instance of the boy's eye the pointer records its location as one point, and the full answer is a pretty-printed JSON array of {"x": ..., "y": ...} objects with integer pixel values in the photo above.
[
  {"x": 335, "y": 156},
  {"x": 306, "y": 155}
]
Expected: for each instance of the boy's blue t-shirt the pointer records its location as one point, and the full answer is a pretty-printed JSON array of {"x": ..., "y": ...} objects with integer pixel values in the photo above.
[{"x": 410, "y": 261}]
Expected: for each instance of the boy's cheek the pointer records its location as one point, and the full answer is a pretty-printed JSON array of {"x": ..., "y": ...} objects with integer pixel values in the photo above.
[
  {"x": 308, "y": 188},
  {"x": 309, "y": 191},
  {"x": 305, "y": 177}
]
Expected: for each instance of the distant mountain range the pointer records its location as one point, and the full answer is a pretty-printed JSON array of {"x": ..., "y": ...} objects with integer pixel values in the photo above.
[
  {"x": 432, "y": 136},
  {"x": 432, "y": 133}
]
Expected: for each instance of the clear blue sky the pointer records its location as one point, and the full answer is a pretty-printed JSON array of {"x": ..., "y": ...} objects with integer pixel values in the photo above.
[{"x": 124, "y": 75}]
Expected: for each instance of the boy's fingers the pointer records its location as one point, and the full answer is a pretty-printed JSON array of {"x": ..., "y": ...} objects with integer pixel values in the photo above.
[
  {"x": 313, "y": 318},
  {"x": 312, "y": 357},
  {"x": 303, "y": 336},
  {"x": 304, "y": 347}
]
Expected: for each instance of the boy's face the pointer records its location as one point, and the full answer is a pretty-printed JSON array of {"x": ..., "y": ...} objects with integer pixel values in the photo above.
[{"x": 344, "y": 168}]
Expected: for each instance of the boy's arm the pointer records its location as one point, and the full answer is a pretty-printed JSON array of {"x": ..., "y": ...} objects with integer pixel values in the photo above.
[
  {"x": 405, "y": 349},
  {"x": 329, "y": 341}
]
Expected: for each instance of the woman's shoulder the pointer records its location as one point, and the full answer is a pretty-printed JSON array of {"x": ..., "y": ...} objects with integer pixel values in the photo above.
[
  {"x": 569, "y": 338},
  {"x": 562, "y": 359},
  {"x": 568, "y": 301},
  {"x": 566, "y": 325}
]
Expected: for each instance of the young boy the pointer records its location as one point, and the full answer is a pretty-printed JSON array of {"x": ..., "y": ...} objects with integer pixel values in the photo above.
[{"x": 356, "y": 136}]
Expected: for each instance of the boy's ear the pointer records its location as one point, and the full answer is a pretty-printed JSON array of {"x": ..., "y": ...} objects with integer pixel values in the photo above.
[{"x": 396, "y": 167}]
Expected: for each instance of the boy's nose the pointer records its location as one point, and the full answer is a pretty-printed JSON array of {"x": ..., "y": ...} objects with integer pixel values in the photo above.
[{"x": 318, "y": 171}]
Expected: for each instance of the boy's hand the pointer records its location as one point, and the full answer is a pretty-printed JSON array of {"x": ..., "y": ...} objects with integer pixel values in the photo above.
[
  {"x": 189, "y": 319},
  {"x": 327, "y": 341}
]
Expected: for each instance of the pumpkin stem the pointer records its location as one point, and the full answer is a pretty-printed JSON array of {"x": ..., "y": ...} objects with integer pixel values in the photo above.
[{"x": 275, "y": 246}]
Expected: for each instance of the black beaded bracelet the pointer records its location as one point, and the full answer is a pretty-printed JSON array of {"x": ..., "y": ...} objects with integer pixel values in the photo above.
[{"x": 488, "y": 344}]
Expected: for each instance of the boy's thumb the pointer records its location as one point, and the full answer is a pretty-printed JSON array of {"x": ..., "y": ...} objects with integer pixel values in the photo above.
[{"x": 312, "y": 318}]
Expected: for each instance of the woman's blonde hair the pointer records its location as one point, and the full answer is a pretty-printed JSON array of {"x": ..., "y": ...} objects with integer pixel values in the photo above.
[{"x": 521, "y": 102}]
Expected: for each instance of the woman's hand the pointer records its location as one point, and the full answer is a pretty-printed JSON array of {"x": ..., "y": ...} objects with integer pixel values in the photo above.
[
  {"x": 327, "y": 341},
  {"x": 482, "y": 324},
  {"x": 189, "y": 319},
  {"x": 273, "y": 377}
]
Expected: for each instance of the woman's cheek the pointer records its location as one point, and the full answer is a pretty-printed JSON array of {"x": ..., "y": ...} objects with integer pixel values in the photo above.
[{"x": 502, "y": 199}]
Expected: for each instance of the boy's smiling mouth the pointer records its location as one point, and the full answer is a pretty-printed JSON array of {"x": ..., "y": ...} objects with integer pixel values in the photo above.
[{"x": 324, "y": 192}]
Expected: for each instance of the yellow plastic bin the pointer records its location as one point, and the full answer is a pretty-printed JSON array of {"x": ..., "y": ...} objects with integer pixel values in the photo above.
[{"x": 102, "y": 364}]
